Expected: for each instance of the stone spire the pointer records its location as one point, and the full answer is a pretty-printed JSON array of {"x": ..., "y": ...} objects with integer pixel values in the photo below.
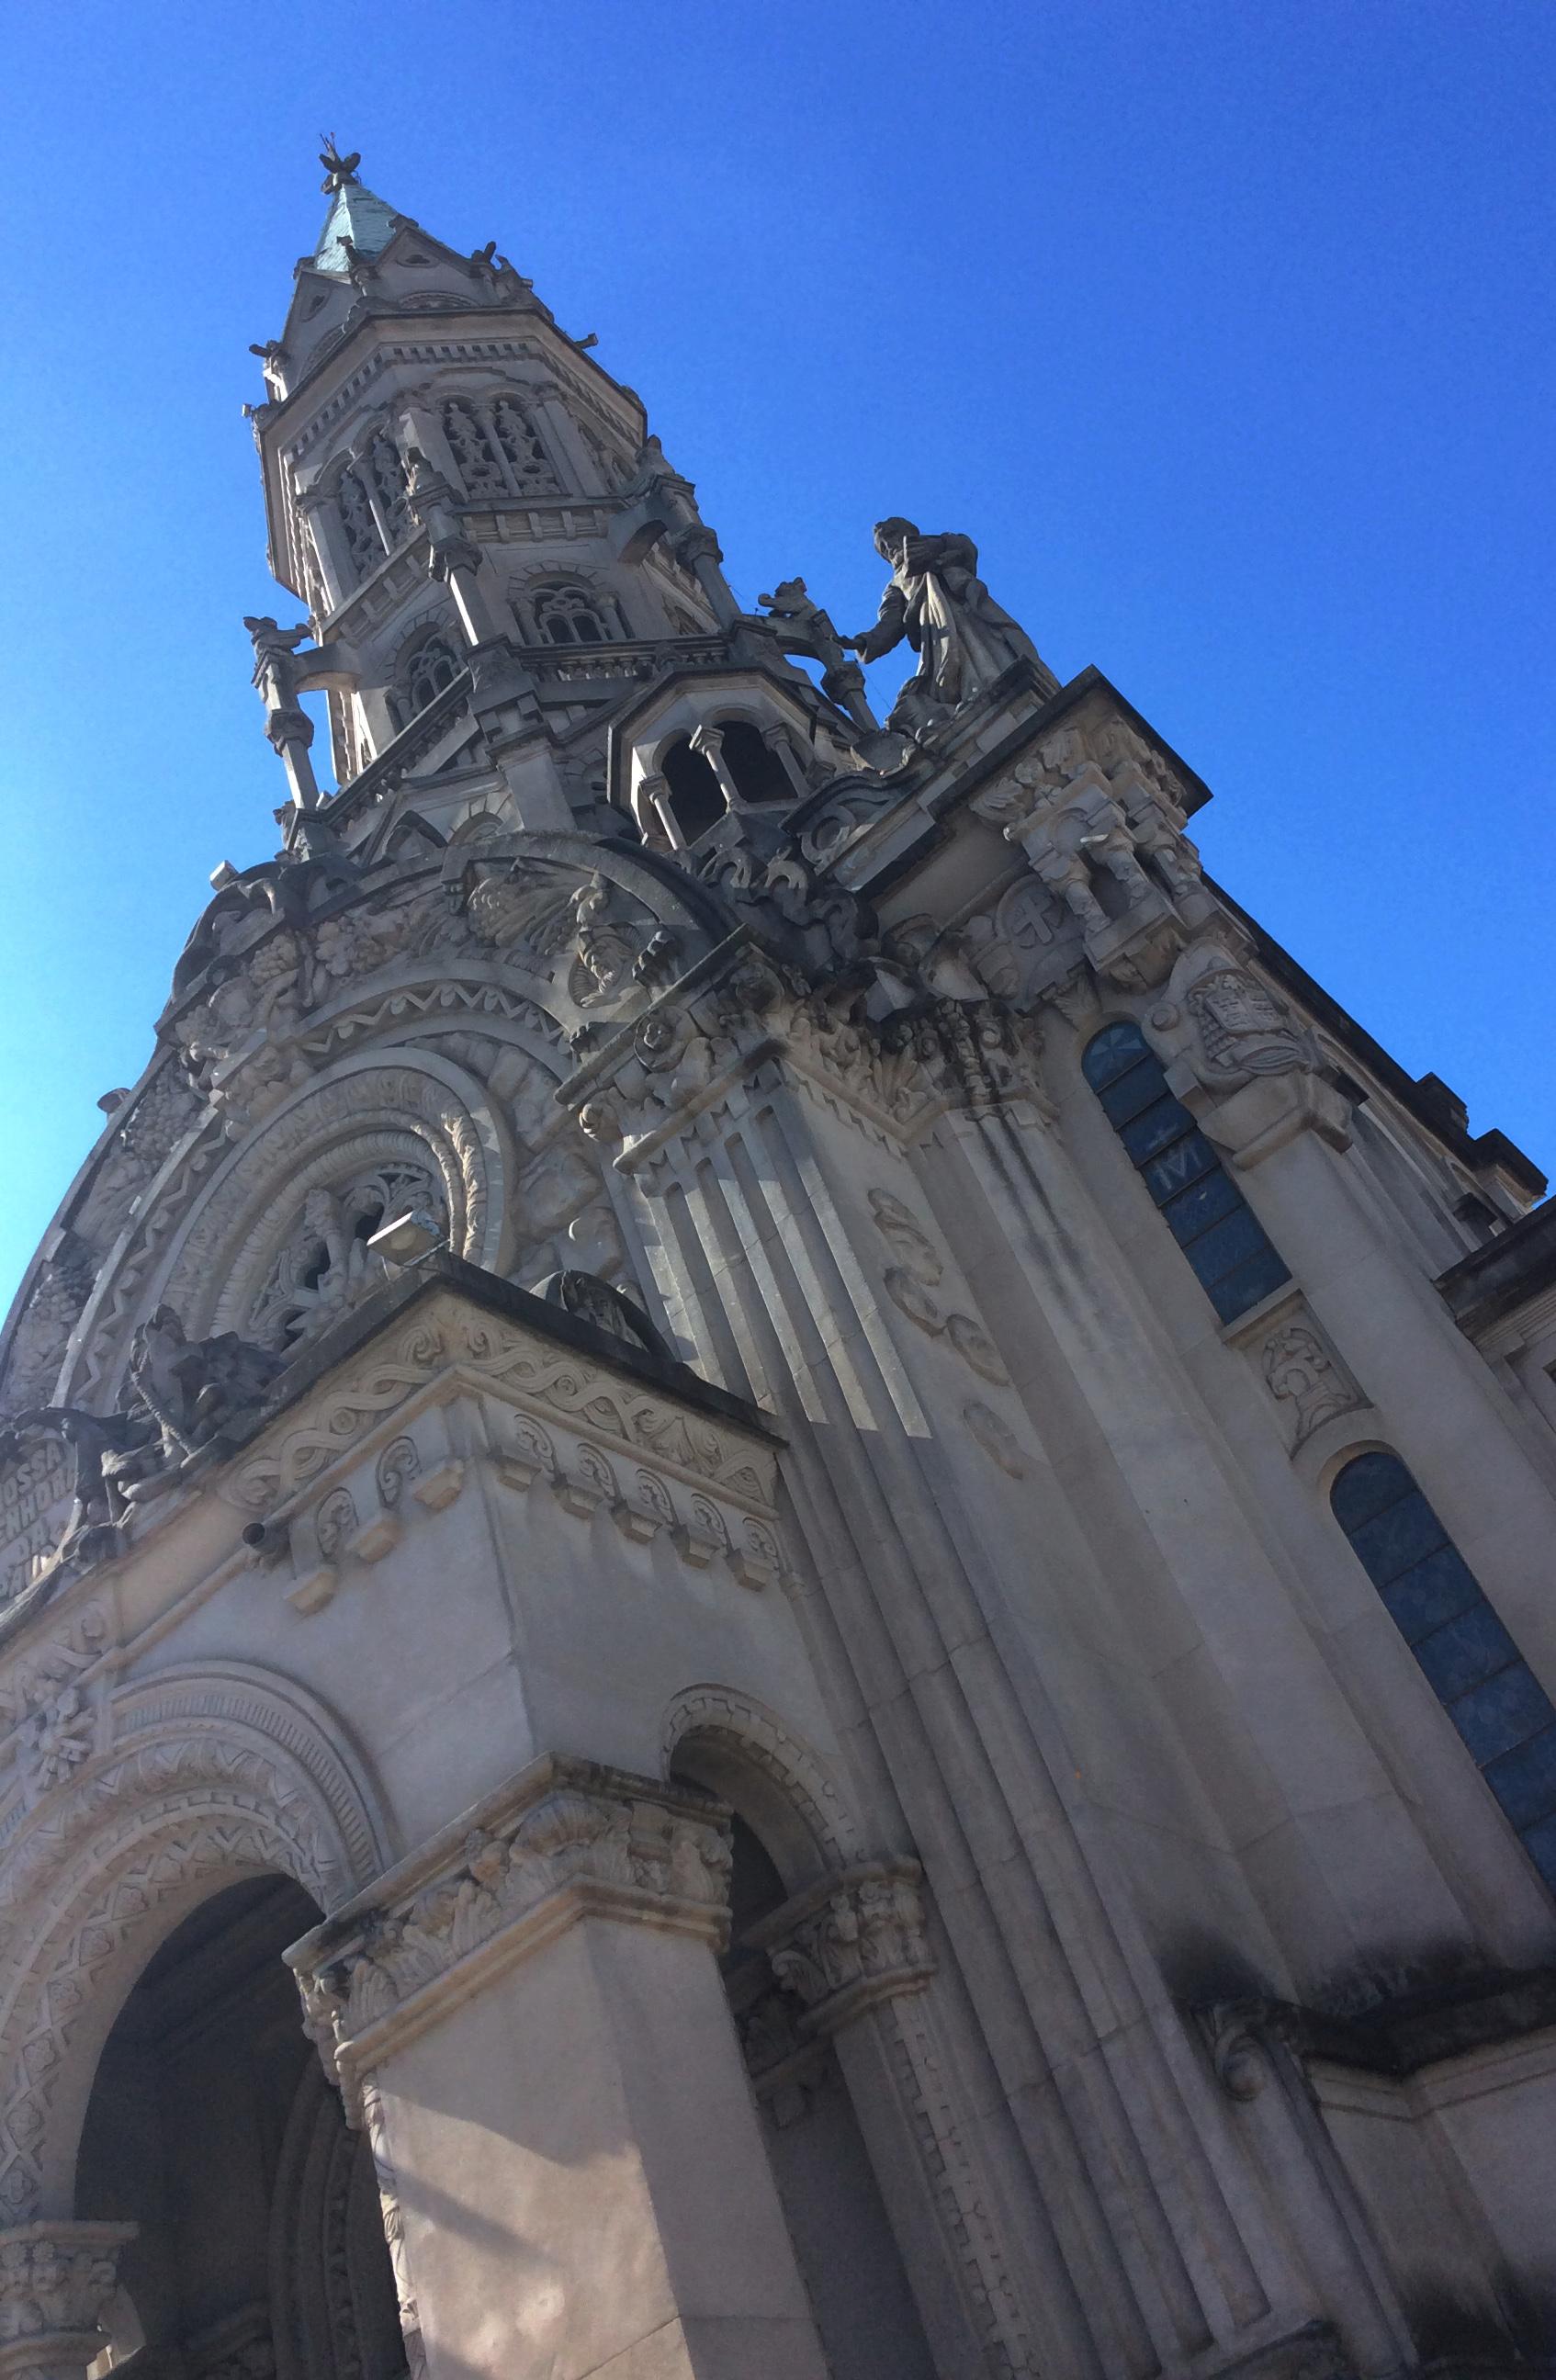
[
  {"x": 517, "y": 610},
  {"x": 359, "y": 225}
]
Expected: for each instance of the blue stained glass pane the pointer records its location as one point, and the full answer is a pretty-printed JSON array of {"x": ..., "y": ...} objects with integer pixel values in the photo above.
[
  {"x": 1235, "y": 1291},
  {"x": 1206, "y": 1211},
  {"x": 1398, "y": 1538},
  {"x": 1186, "y": 1160},
  {"x": 1523, "y": 1780},
  {"x": 1502, "y": 1712},
  {"x": 1193, "y": 1210},
  {"x": 1133, "y": 1092},
  {"x": 1539, "y": 1841},
  {"x": 1115, "y": 1049},
  {"x": 1436, "y": 1589},
  {"x": 1466, "y": 1651},
  {"x": 1365, "y": 1485},
  {"x": 1161, "y": 1122},
  {"x": 1226, "y": 1245}
]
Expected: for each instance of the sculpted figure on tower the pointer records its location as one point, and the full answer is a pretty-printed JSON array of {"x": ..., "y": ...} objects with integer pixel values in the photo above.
[{"x": 964, "y": 640}]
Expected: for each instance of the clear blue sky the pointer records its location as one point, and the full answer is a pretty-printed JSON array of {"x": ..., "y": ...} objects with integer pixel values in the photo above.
[{"x": 1224, "y": 328}]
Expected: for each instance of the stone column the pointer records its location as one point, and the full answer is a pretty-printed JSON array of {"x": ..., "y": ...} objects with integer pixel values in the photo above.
[
  {"x": 853, "y": 1951},
  {"x": 709, "y": 744},
  {"x": 56, "y": 2280},
  {"x": 778, "y": 740},
  {"x": 656, "y": 819},
  {"x": 452, "y": 556},
  {"x": 530, "y": 2016},
  {"x": 547, "y": 403},
  {"x": 697, "y": 550},
  {"x": 321, "y": 519}
]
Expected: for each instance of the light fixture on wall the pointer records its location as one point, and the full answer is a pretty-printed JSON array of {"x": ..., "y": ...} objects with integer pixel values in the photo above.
[{"x": 409, "y": 1237}]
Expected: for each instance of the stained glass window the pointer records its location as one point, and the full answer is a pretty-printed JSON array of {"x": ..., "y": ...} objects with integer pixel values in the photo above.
[
  {"x": 1501, "y": 1711},
  {"x": 1202, "y": 1204}
]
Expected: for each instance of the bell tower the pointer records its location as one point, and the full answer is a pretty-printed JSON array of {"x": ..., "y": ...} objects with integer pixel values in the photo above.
[
  {"x": 770, "y": 1447},
  {"x": 496, "y": 559}
]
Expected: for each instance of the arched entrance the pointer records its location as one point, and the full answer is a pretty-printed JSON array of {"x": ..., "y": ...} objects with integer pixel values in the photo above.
[
  {"x": 210, "y": 2125},
  {"x": 786, "y": 1837}
]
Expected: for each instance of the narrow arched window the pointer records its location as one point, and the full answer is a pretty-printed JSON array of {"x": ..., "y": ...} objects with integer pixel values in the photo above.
[
  {"x": 433, "y": 666},
  {"x": 1502, "y": 1713},
  {"x": 389, "y": 482},
  {"x": 362, "y": 540},
  {"x": 1200, "y": 1202},
  {"x": 522, "y": 451},
  {"x": 758, "y": 774},
  {"x": 473, "y": 450},
  {"x": 570, "y": 615}
]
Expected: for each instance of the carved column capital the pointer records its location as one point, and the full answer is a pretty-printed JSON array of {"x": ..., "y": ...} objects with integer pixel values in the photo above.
[
  {"x": 55, "y": 2283},
  {"x": 850, "y": 1943},
  {"x": 564, "y": 1840},
  {"x": 697, "y": 543}
]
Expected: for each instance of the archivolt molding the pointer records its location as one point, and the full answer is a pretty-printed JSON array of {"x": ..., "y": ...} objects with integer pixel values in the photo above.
[
  {"x": 399, "y": 1098},
  {"x": 746, "y": 1734},
  {"x": 224, "y": 1774},
  {"x": 408, "y": 1094}
]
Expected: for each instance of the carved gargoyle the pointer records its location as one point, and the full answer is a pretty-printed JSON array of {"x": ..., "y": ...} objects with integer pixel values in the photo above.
[{"x": 183, "y": 1394}]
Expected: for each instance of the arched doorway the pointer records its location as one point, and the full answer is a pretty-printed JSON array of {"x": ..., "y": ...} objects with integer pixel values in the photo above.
[
  {"x": 843, "y": 2243},
  {"x": 261, "y": 2247}
]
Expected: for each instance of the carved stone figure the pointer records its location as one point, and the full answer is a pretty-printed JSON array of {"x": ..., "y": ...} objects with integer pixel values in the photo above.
[{"x": 937, "y": 602}]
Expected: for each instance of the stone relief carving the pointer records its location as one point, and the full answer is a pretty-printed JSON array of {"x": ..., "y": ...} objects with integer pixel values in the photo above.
[
  {"x": 1241, "y": 1027},
  {"x": 1305, "y": 1376},
  {"x": 399, "y": 1463},
  {"x": 55, "y": 1305},
  {"x": 159, "y": 1816},
  {"x": 183, "y": 1395},
  {"x": 911, "y": 1283},
  {"x": 627, "y": 1846},
  {"x": 851, "y": 1943},
  {"x": 1100, "y": 819},
  {"x": 57, "y": 2283},
  {"x": 325, "y": 1266},
  {"x": 997, "y": 1438},
  {"x": 334, "y": 1522},
  {"x": 535, "y": 1372}
]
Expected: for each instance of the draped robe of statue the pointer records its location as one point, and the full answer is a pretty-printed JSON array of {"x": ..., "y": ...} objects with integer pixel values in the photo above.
[{"x": 964, "y": 640}]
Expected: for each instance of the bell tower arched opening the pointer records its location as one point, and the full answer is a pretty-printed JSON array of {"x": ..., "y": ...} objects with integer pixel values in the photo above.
[{"x": 260, "y": 2246}]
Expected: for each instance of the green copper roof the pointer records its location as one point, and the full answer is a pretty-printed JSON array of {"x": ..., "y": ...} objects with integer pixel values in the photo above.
[{"x": 356, "y": 215}]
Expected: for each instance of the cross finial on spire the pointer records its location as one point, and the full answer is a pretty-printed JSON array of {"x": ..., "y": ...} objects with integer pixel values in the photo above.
[{"x": 338, "y": 170}]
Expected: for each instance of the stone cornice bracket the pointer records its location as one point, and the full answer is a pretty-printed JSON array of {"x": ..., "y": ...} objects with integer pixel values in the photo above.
[
  {"x": 1249, "y": 2041},
  {"x": 55, "y": 2283},
  {"x": 564, "y": 1840},
  {"x": 850, "y": 1942}
]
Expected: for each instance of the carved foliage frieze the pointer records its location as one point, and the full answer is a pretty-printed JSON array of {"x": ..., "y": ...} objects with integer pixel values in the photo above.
[
  {"x": 605, "y": 1840},
  {"x": 618, "y": 1417}
]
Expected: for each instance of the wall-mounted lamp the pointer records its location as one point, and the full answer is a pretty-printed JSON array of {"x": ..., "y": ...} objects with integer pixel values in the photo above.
[{"x": 413, "y": 1234}]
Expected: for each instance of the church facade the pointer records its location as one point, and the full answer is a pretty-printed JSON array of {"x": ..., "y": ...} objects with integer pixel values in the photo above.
[{"x": 775, "y": 1585}]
